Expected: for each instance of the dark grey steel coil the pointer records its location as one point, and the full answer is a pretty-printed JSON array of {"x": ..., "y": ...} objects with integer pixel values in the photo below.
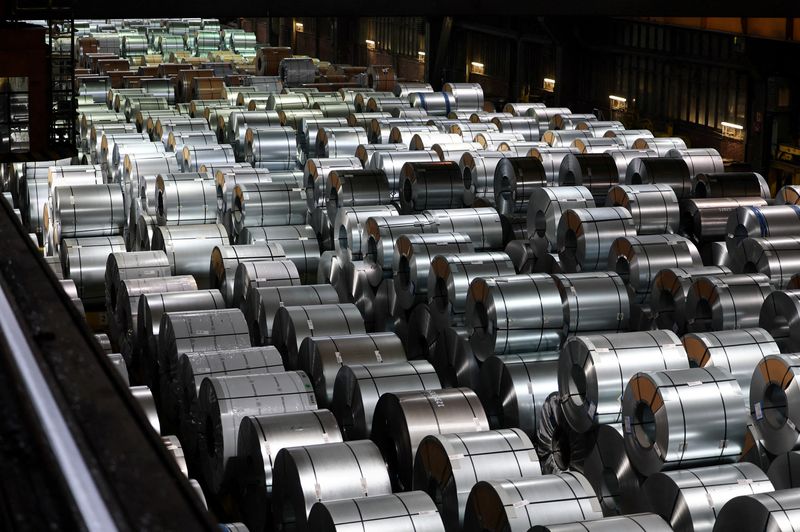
[
  {"x": 521, "y": 254},
  {"x": 669, "y": 292},
  {"x": 189, "y": 247},
  {"x": 594, "y": 369},
  {"x": 726, "y": 303},
  {"x": 783, "y": 470},
  {"x": 422, "y": 333},
  {"x": 585, "y": 236},
  {"x": 620, "y": 523},
  {"x": 593, "y": 302},
  {"x": 764, "y": 511},
  {"x": 774, "y": 403},
  {"x": 225, "y": 261},
  {"x": 263, "y": 303},
  {"x": 776, "y": 257},
  {"x": 263, "y": 204},
  {"x": 654, "y": 208},
  {"x": 403, "y": 419},
  {"x": 412, "y": 510},
  {"x": 261, "y": 274},
  {"x": 435, "y": 185},
  {"x": 348, "y": 228},
  {"x": 85, "y": 263},
  {"x": 596, "y": 171},
  {"x": 447, "y": 466},
  {"x": 760, "y": 222},
  {"x": 88, "y": 210},
  {"x": 515, "y": 178},
  {"x": 731, "y": 184},
  {"x": 780, "y": 315},
  {"x": 481, "y": 224},
  {"x": 453, "y": 359},
  {"x": 611, "y": 474},
  {"x": 380, "y": 234},
  {"x": 545, "y": 207},
  {"x": 356, "y": 188},
  {"x": 661, "y": 171}
]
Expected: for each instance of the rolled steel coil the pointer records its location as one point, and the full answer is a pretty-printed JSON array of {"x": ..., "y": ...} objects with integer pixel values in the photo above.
[
  {"x": 782, "y": 472},
  {"x": 184, "y": 201},
  {"x": 434, "y": 185},
  {"x": 594, "y": 369},
  {"x": 513, "y": 388},
  {"x": 683, "y": 418},
  {"x": 85, "y": 264},
  {"x": 776, "y": 257},
  {"x": 137, "y": 265},
  {"x": 68, "y": 285},
  {"x": 403, "y": 130},
  {"x": 226, "y": 181},
  {"x": 426, "y": 140},
  {"x": 654, "y": 208},
  {"x": 447, "y": 466},
  {"x": 638, "y": 259},
  {"x": 265, "y": 204},
  {"x": 189, "y": 247},
  {"x": 365, "y": 152},
  {"x": 521, "y": 254},
  {"x": 691, "y": 499},
  {"x": 405, "y": 88},
  {"x": 564, "y": 138},
  {"x": 380, "y": 234},
  {"x": 259, "y": 441},
  {"x": 263, "y": 303},
  {"x": 624, "y": 157},
  {"x": 545, "y": 208},
  {"x": 322, "y": 356},
  {"x": 662, "y": 145},
  {"x": 593, "y": 302},
  {"x": 760, "y": 222},
  {"x": 596, "y": 171},
  {"x": 225, "y": 261},
  {"x": 340, "y": 141},
  {"x": 299, "y": 245},
  {"x": 551, "y": 159},
  {"x": 468, "y": 96},
  {"x": 569, "y": 120},
  {"x": 413, "y": 510},
  {"x": 453, "y": 359},
  {"x": 310, "y": 128},
  {"x": 773, "y": 402},
  {"x": 780, "y": 315},
  {"x": 699, "y": 160},
  {"x": 599, "y": 128},
  {"x": 403, "y": 419},
  {"x": 706, "y": 219},
  {"x": 616, "y": 523},
  {"x": 731, "y": 184},
  {"x": 294, "y": 118},
  {"x": 88, "y": 210},
  {"x": 357, "y": 389},
  {"x": 306, "y": 475},
  {"x": 629, "y": 136},
  {"x": 348, "y": 228},
  {"x": 143, "y": 398},
  {"x": 515, "y": 179},
  {"x": 514, "y": 314},
  {"x": 422, "y": 334},
  {"x": 669, "y": 292},
  {"x": 274, "y": 148},
  {"x": 529, "y": 128},
  {"x": 585, "y": 236},
  {"x": 357, "y": 188},
  {"x": 315, "y": 177},
  {"x": 609, "y": 471},
  {"x": 481, "y": 224},
  {"x": 518, "y": 504},
  {"x": 522, "y": 108},
  {"x": 737, "y": 351},
  {"x": 224, "y": 401},
  {"x": 296, "y": 71},
  {"x": 238, "y": 122},
  {"x": 145, "y": 227},
  {"x": 434, "y": 103},
  {"x": 726, "y": 303},
  {"x": 261, "y": 274},
  {"x": 293, "y": 324},
  {"x": 192, "y": 157},
  {"x": 763, "y": 511},
  {"x": 560, "y": 447},
  {"x": 386, "y": 309},
  {"x": 661, "y": 171},
  {"x": 597, "y": 145},
  {"x": 788, "y": 195},
  {"x": 477, "y": 170}
]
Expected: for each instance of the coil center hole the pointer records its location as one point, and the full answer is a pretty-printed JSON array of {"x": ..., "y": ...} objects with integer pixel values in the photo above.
[
  {"x": 702, "y": 316},
  {"x": 481, "y": 325},
  {"x": 700, "y": 190},
  {"x": 404, "y": 273},
  {"x": 467, "y": 178},
  {"x": 623, "y": 268},
  {"x": 440, "y": 297},
  {"x": 407, "y": 191},
  {"x": 540, "y": 223},
  {"x": 775, "y": 406},
  {"x": 644, "y": 425},
  {"x": 577, "y": 384},
  {"x": 610, "y": 486},
  {"x": 342, "y": 237}
]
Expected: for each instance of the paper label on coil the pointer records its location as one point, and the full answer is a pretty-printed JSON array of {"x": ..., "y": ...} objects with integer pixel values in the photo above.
[
  {"x": 325, "y": 437},
  {"x": 791, "y": 424},
  {"x": 744, "y": 481},
  {"x": 202, "y": 332},
  {"x": 694, "y": 383},
  {"x": 457, "y": 456},
  {"x": 364, "y": 486},
  {"x": 592, "y": 409},
  {"x": 723, "y": 444},
  {"x": 317, "y": 491},
  {"x": 378, "y": 356},
  {"x": 310, "y": 325},
  {"x": 338, "y": 356},
  {"x": 520, "y": 503},
  {"x": 601, "y": 349},
  {"x": 628, "y": 428},
  {"x": 280, "y": 303},
  {"x": 758, "y": 410}
]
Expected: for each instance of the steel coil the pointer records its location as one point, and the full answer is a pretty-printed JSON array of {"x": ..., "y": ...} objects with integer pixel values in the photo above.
[
  {"x": 597, "y": 145},
  {"x": 184, "y": 200},
  {"x": 309, "y": 128},
  {"x": 143, "y": 398},
  {"x": 654, "y": 208},
  {"x": 121, "y": 266},
  {"x": 609, "y": 471},
  {"x": 315, "y": 177},
  {"x": 85, "y": 264},
  {"x": 274, "y": 148},
  {"x": 453, "y": 360},
  {"x": 764, "y": 511},
  {"x": 564, "y": 138},
  {"x": 447, "y": 466},
  {"x": 551, "y": 159},
  {"x": 518, "y": 504},
  {"x": 699, "y": 160},
  {"x": 88, "y": 210},
  {"x": 754, "y": 451},
  {"x": 322, "y": 356},
  {"x": 773, "y": 402},
  {"x": 776, "y": 257},
  {"x": 521, "y": 254},
  {"x": 661, "y": 171},
  {"x": 380, "y": 234},
  {"x": 434, "y": 103},
  {"x": 760, "y": 222},
  {"x": 481, "y": 224},
  {"x": 348, "y": 228},
  {"x": 705, "y": 219},
  {"x": 412, "y": 510},
  {"x": 192, "y": 157},
  {"x": 145, "y": 227},
  {"x": 403, "y": 419},
  {"x": 569, "y": 120},
  {"x": 594, "y": 369},
  {"x": 726, "y": 303},
  {"x": 683, "y": 418},
  {"x": 425, "y": 140},
  {"x": 780, "y": 315},
  {"x": 515, "y": 180},
  {"x": 616, "y": 523},
  {"x": 264, "y": 204},
  {"x": 422, "y": 333},
  {"x": 788, "y": 195},
  {"x": 545, "y": 208},
  {"x": 340, "y": 141},
  {"x": 585, "y": 236},
  {"x": 226, "y": 259},
  {"x": 306, "y": 475},
  {"x": 782, "y": 472},
  {"x": 263, "y": 304},
  {"x": 528, "y": 127},
  {"x": 435, "y": 185},
  {"x": 593, "y": 302},
  {"x": 669, "y": 292},
  {"x": 596, "y": 171},
  {"x": 261, "y": 274},
  {"x": 477, "y": 171},
  {"x": 454, "y": 151},
  {"x": 403, "y": 130},
  {"x": 560, "y": 447},
  {"x": 299, "y": 245},
  {"x": 691, "y": 499},
  {"x": 357, "y": 389},
  {"x": 189, "y": 247},
  {"x": 468, "y": 96},
  {"x": 514, "y": 314},
  {"x": 356, "y": 188},
  {"x": 731, "y": 184},
  {"x": 661, "y": 145},
  {"x": 638, "y": 259}
]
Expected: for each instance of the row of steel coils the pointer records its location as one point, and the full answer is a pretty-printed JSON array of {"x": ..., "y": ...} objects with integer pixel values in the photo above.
[{"x": 437, "y": 333}]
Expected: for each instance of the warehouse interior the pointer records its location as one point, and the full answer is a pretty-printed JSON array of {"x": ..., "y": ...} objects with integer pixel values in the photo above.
[{"x": 319, "y": 267}]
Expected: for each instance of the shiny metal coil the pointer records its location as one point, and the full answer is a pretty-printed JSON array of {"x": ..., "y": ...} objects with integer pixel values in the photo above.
[
  {"x": 68, "y": 285},
  {"x": 683, "y": 418},
  {"x": 410, "y": 87},
  {"x": 403, "y": 419},
  {"x": 340, "y": 141},
  {"x": 263, "y": 303},
  {"x": 585, "y": 236},
  {"x": 293, "y": 324},
  {"x": 404, "y": 129},
  {"x": 528, "y": 127},
  {"x": 226, "y": 181},
  {"x": 303, "y": 476},
  {"x": 88, "y": 210},
  {"x": 260, "y": 440},
  {"x": 514, "y": 387},
  {"x": 454, "y": 151},
  {"x": 731, "y": 184},
  {"x": 260, "y": 274},
  {"x": 453, "y": 359},
  {"x": 348, "y": 228},
  {"x": 264, "y": 204},
  {"x": 380, "y": 234},
  {"x": 496, "y": 505},
  {"x": 780, "y": 315},
  {"x": 425, "y": 140},
  {"x": 654, "y": 208},
  {"x": 515, "y": 179},
  {"x": 356, "y": 188},
  {"x": 145, "y": 227},
  {"x": 564, "y": 138},
  {"x": 322, "y": 356},
  {"x": 661, "y": 145},
  {"x": 638, "y": 259},
  {"x": 624, "y": 157},
  {"x": 514, "y": 314},
  {"x": 412, "y": 510},
  {"x": 599, "y": 128},
  {"x": 763, "y": 511},
  {"x": 357, "y": 389},
  {"x": 274, "y": 148},
  {"x": 294, "y": 118},
  {"x": 434, "y": 103},
  {"x": 706, "y": 219},
  {"x": 189, "y": 247},
  {"x": 596, "y": 171},
  {"x": 143, "y": 398},
  {"x": 447, "y": 466},
  {"x": 224, "y": 401},
  {"x": 551, "y": 159},
  {"x": 481, "y": 224},
  {"x": 192, "y": 157},
  {"x": 434, "y": 185},
  {"x": 468, "y": 96},
  {"x": 726, "y": 303},
  {"x": 597, "y": 145},
  {"x": 299, "y": 245},
  {"x": 449, "y": 282},
  {"x": 310, "y": 127},
  {"x": 315, "y": 177},
  {"x": 737, "y": 352},
  {"x": 788, "y": 195},
  {"x": 184, "y": 200},
  {"x": 759, "y": 221},
  {"x": 225, "y": 261},
  {"x": 609, "y": 471},
  {"x": 669, "y": 291},
  {"x": 119, "y": 364},
  {"x": 521, "y": 254},
  {"x": 365, "y": 152},
  {"x": 136, "y": 265},
  {"x": 691, "y": 499},
  {"x": 774, "y": 403},
  {"x": 569, "y": 120},
  {"x": 545, "y": 207},
  {"x": 84, "y": 261},
  {"x": 477, "y": 170},
  {"x": 616, "y": 523},
  {"x": 594, "y": 369},
  {"x": 422, "y": 334},
  {"x": 593, "y": 302},
  {"x": 699, "y": 160},
  {"x": 522, "y": 108},
  {"x": 776, "y": 257},
  {"x": 661, "y": 171}
]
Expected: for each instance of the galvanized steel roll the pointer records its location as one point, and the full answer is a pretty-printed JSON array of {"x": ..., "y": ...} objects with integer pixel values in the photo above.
[
  {"x": 670, "y": 290},
  {"x": 189, "y": 247},
  {"x": 760, "y": 222},
  {"x": 609, "y": 471},
  {"x": 365, "y": 152},
  {"x": 340, "y": 141},
  {"x": 274, "y": 148},
  {"x": 322, "y": 356},
  {"x": 263, "y": 303},
  {"x": 764, "y": 511},
  {"x": 551, "y": 159},
  {"x": 545, "y": 208},
  {"x": 477, "y": 171},
  {"x": 780, "y": 315},
  {"x": 481, "y": 224},
  {"x": 453, "y": 360},
  {"x": 654, "y": 208},
  {"x": 447, "y": 466},
  {"x": 528, "y": 127},
  {"x": 392, "y": 163},
  {"x": 315, "y": 177},
  {"x": 261, "y": 274},
  {"x": 585, "y": 236},
  {"x": 594, "y": 369},
  {"x": 521, "y": 254},
  {"x": 699, "y": 160},
  {"x": 468, "y": 96},
  {"x": 726, "y": 303},
  {"x": 380, "y": 234},
  {"x": 661, "y": 171},
  {"x": 137, "y": 265},
  {"x": 226, "y": 259},
  {"x": 497, "y": 505},
  {"x": 624, "y": 157},
  {"x": 412, "y": 510},
  {"x": 515, "y": 179},
  {"x": 88, "y": 210},
  {"x": 186, "y": 200},
  {"x": 788, "y": 195},
  {"x": 569, "y": 120},
  {"x": 776, "y": 257},
  {"x": 434, "y": 103},
  {"x": 303, "y": 476},
  {"x": 774, "y": 402},
  {"x": 264, "y": 204},
  {"x": 514, "y": 314},
  {"x": 564, "y": 138},
  {"x": 691, "y": 499},
  {"x": 260, "y": 439},
  {"x": 192, "y": 157},
  {"x": 348, "y": 228},
  {"x": 435, "y": 185},
  {"x": 638, "y": 259},
  {"x": 731, "y": 184},
  {"x": 422, "y": 333},
  {"x": 683, "y": 418},
  {"x": 593, "y": 302},
  {"x": 357, "y": 188},
  {"x": 403, "y": 419},
  {"x": 616, "y": 523},
  {"x": 85, "y": 263},
  {"x": 596, "y": 171}
]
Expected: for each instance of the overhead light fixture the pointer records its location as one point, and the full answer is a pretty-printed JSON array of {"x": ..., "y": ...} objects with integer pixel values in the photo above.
[
  {"x": 476, "y": 67},
  {"x": 370, "y": 44},
  {"x": 298, "y": 26},
  {"x": 549, "y": 84},
  {"x": 732, "y": 131},
  {"x": 421, "y": 56},
  {"x": 618, "y": 103}
]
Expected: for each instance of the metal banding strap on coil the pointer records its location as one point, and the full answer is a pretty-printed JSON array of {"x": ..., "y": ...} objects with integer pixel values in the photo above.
[
  {"x": 586, "y": 235},
  {"x": 654, "y": 208},
  {"x": 593, "y": 302},
  {"x": 262, "y": 273},
  {"x": 726, "y": 303},
  {"x": 668, "y": 295},
  {"x": 263, "y": 303}
]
